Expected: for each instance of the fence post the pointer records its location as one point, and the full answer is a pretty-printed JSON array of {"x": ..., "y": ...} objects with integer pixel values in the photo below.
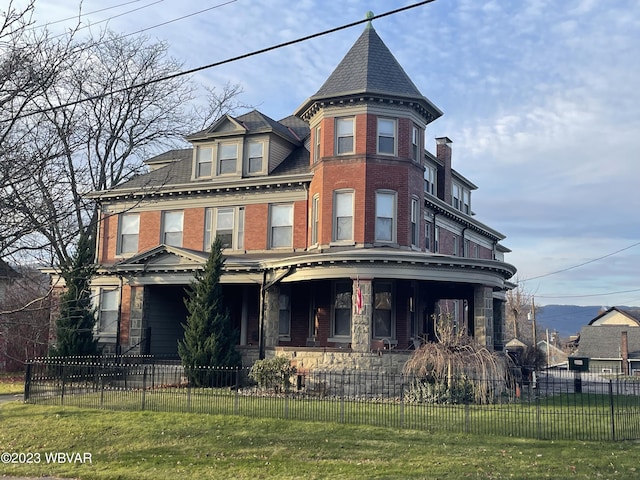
[
  {"x": 144, "y": 385},
  {"x": 613, "y": 418},
  {"x": 64, "y": 378},
  {"x": 27, "y": 382},
  {"x": 402, "y": 401},
  {"x": 236, "y": 400},
  {"x": 538, "y": 429},
  {"x": 342, "y": 397},
  {"x": 101, "y": 391}
]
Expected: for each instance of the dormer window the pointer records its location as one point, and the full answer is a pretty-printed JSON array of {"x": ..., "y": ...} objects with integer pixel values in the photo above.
[
  {"x": 227, "y": 158},
  {"x": 461, "y": 198},
  {"x": 344, "y": 131},
  {"x": 256, "y": 155},
  {"x": 386, "y": 136},
  {"x": 204, "y": 161}
]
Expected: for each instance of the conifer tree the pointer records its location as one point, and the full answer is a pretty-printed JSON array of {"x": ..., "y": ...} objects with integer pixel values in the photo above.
[
  {"x": 74, "y": 326},
  {"x": 209, "y": 339}
]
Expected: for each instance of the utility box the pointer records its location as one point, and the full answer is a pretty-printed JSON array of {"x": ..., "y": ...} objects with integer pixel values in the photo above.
[{"x": 579, "y": 364}]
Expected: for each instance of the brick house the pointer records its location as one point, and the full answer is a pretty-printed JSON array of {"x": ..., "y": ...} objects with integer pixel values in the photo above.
[{"x": 343, "y": 234}]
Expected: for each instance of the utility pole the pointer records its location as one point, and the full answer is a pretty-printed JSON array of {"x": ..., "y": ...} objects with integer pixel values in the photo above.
[{"x": 532, "y": 316}]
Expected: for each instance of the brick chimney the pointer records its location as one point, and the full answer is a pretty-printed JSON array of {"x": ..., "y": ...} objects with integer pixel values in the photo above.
[
  {"x": 443, "y": 153},
  {"x": 624, "y": 353}
]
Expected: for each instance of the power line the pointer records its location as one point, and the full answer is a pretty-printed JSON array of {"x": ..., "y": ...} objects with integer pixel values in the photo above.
[
  {"x": 580, "y": 265},
  {"x": 180, "y": 18},
  {"x": 223, "y": 62},
  {"x": 588, "y": 295},
  {"x": 111, "y": 18},
  {"x": 83, "y": 14}
]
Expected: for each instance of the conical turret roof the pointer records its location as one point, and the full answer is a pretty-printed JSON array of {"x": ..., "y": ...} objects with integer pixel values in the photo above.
[{"x": 370, "y": 68}]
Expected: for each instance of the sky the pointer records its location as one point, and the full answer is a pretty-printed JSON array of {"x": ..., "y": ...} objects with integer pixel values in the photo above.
[{"x": 541, "y": 100}]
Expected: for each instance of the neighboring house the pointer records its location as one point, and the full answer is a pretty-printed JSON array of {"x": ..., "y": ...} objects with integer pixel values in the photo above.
[
  {"x": 611, "y": 341},
  {"x": 343, "y": 234},
  {"x": 555, "y": 356}
]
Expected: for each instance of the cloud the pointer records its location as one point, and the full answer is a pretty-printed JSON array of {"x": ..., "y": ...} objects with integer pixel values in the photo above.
[{"x": 540, "y": 98}]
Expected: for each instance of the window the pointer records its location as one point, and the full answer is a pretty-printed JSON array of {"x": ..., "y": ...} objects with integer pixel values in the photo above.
[
  {"x": 415, "y": 143},
  {"x": 456, "y": 245},
  {"x": 415, "y": 216},
  {"x": 382, "y": 311},
  {"x": 457, "y": 197},
  {"x": 436, "y": 239},
  {"x": 108, "y": 315},
  {"x": 281, "y": 224},
  {"x": 129, "y": 231},
  {"x": 344, "y": 130},
  {"x": 315, "y": 213},
  {"x": 385, "y": 216},
  {"x": 343, "y": 216},
  {"x": 204, "y": 158},
  {"x": 476, "y": 251},
  {"x": 284, "y": 322},
  {"x": 427, "y": 236},
  {"x": 255, "y": 157},
  {"x": 172, "y": 228},
  {"x": 430, "y": 180},
  {"x": 386, "y": 136},
  {"x": 342, "y": 309},
  {"x": 226, "y": 223},
  {"x": 467, "y": 248},
  {"x": 227, "y": 158},
  {"x": 316, "y": 149},
  {"x": 461, "y": 199}
]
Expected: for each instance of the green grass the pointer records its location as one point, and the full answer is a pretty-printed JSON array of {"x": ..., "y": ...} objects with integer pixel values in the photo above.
[
  {"x": 151, "y": 445},
  {"x": 11, "y": 383},
  {"x": 567, "y": 416}
]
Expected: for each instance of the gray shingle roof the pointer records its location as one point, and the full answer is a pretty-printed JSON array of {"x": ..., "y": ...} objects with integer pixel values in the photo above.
[
  {"x": 604, "y": 341},
  {"x": 368, "y": 67}
]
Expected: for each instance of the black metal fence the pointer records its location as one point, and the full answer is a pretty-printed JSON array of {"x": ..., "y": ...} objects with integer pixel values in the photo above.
[{"x": 553, "y": 405}]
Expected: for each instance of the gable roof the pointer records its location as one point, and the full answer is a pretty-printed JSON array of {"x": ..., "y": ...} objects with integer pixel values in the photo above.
[
  {"x": 631, "y": 314},
  {"x": 603, "y": 341},
  {"x": 252, "y": 122},
  {"x": 369, "y": 67},
  {"x": 163, "y": 258}
]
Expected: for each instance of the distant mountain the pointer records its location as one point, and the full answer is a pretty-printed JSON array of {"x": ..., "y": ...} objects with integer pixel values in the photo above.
[{"x": 566, "y": 319}]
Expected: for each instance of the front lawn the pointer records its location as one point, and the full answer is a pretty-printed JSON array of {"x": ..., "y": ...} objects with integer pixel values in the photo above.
[
  {"x": 154, "y": 445},
  {"x": 11, "y": 383}
]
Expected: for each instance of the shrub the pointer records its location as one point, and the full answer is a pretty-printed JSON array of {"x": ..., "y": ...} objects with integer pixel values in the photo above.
[{"x": 273, "y": 373}]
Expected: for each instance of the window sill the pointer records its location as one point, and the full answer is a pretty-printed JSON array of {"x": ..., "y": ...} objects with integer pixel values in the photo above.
[
  {"x": 339, "y": 339},
  {"x": 341, "y": 243}
]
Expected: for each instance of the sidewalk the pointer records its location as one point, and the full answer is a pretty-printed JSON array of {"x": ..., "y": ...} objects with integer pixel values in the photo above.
[{"x": 10, "y": 397}]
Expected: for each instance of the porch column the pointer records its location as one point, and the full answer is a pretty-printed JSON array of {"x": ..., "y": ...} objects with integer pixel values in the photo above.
[
  {"x": 271, "y": 316},
  {"x": 499, "y": 311},
  {"x": 361, "y": 322},
  {"x": 244, "y": 315},
  {"x": 483, "y": 315}
]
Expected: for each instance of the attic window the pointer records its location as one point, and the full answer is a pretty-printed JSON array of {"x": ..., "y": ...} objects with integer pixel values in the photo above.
[
  {"x": 227, "y": 158},
  {"x": 204, "y": 160},
  {"x": 255, "y": 157}
]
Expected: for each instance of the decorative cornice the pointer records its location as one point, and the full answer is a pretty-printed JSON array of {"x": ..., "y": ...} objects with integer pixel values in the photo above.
[{"x": 205, "y": 187}]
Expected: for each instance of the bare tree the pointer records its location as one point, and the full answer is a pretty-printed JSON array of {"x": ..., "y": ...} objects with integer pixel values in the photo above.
[
  {"x": 520, "y": 314},
  {"x": 109, "y": 103},
  {"x": 24, "y": 319},
  {"x": 30, "y": 63}
]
